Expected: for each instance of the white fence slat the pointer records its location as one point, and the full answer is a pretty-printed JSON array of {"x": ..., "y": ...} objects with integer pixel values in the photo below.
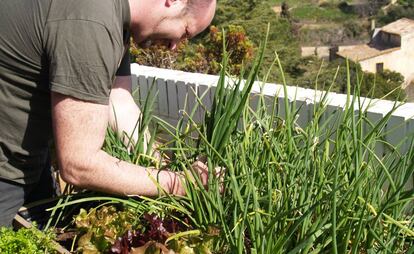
[
  {"x": 212, "y": 92},
  {"x": 254, "y": 100},
  {"x": 204, "y": 95},
  {"x": 162, "y": 97},
  {"x": 172, "y": 99},
  {"x": 374, "y": 118},
  {"x": 142, "y": 89},
  {"x": 134, "y": 87},
  {"x": 410, "y": 140},
  {"x": 152, "y": 84},
  {"x": 268, "y": 101},
  {"x": 302, "y": 116},
  {"x": 396, "y": 131},
  {"x": 330, "y": 121},
  {"x": 182, "y": 95},
  {"x": 192, "y": 102},
  {"x": 281, "y": 108}
]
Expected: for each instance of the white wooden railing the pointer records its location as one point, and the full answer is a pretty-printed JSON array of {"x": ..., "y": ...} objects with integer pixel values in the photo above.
[{"x": 173, "y": 87}]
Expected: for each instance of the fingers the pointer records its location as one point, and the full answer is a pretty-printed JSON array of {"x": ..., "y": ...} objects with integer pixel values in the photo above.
[
  {"x": 202, "y": 171},
  {"x": 219, "y": 172}
]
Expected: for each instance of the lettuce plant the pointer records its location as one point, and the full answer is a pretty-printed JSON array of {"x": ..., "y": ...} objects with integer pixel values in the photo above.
[{"x": 26, "y": 240}]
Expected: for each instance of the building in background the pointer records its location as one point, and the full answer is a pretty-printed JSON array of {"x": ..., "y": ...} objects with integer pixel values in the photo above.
[{"x": 391, "y": 48}]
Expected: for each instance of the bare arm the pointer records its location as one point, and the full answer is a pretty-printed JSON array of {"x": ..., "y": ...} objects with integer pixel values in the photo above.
[
  {"x": 79, "y": 129},
  {"x": 123, "y": 111}
]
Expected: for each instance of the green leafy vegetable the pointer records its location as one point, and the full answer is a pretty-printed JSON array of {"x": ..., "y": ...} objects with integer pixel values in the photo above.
[{"x": 25, "y": 241}]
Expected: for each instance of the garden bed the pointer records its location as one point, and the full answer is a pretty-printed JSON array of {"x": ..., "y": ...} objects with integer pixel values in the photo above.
[{"x": 283, "y": 187}]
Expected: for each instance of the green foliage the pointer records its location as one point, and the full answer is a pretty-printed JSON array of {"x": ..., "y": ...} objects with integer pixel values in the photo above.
[
  {"x": 236, "y": 42},
  {"x": 386, "y": 84},
  {"x": 99, "y": 228},
  {"x": 320, "y": 14},
  {"x": 403, "y": 9},
  {"x": 157, "y": 55},
  {"x": 281, "y": 35},
  {"x": 333, "y": 75},
  {"x": 202, "y": 58},
  {"x": 25, "y": 241},
  {"x": 353, "y": 29}
]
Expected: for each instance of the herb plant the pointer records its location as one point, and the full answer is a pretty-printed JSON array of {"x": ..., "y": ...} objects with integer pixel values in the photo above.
[{"x": 26, "y": 240}]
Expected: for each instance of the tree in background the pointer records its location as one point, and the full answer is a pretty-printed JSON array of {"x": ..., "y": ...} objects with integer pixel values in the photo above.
[
  {"x": 375, "y": 6},
  {"x": 402, "y": 9},
  {"x": 239, "y": 46},
  {"x": 386, "y": 85}
]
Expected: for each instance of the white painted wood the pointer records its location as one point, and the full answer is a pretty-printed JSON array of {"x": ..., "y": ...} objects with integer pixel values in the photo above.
[
  {"x": 396, "y": 132},
  {"x": 204, "y": 96},
  {"x": 153, "y": 88},
  {"x": 182, "y": 95},
  {"x": 374, "y": 118},
  {"x": 162, "y": 97},
  {"x": 181, "y": 89},
  {"x": 142, "y": 87},
  {"x": 134, "y": 88},
  {"x": 410, "y": 141},
  {"x": 192, "y": 105},
  {"x": 300, "y": 112},
  {"x": 172, "y": 98},
  {"x": 331, "y": 119},
  {"x": 254, "y": 100}
]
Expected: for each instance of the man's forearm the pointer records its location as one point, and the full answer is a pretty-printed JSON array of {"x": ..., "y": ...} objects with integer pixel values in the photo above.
[
  {"x": 104, "y": 173},
  {"x": 79, "y": 129}
]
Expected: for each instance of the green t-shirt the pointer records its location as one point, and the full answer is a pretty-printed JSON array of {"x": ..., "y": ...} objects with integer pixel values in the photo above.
[{"x": 73, "y": 47}]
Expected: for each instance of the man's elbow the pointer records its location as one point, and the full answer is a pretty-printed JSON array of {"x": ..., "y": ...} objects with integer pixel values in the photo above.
[{"x": 71, "y": 173}]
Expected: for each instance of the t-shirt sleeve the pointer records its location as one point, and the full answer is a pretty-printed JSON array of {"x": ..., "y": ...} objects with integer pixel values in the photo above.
[
  {"x": 82, "y": 59},
  {"x": 125, "y": 66}
]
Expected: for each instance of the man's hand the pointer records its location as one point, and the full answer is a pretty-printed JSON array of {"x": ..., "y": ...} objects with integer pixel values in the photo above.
[
  {"x": 178, "y": 186},
  {"x": 201, "y": 169}
]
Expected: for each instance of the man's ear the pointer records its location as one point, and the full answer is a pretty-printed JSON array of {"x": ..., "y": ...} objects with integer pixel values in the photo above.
[{"x": 169, "y": 3}]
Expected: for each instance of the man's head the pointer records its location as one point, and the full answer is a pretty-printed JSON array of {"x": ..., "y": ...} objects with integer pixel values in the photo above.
[{"x": 169, "y": 21}]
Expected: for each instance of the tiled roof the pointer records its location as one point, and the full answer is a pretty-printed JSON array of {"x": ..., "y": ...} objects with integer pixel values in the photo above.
[
  {"x": 402, "y": 26},
  {"x": 363, "y": 52}
]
